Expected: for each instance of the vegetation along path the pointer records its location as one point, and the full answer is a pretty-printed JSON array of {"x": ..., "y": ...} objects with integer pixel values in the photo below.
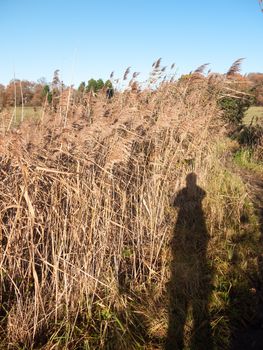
[{"x": 251, "y": 337}]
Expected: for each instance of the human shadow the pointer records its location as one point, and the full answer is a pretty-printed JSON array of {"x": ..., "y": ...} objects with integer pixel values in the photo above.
[{"x": 190, "y": 284}]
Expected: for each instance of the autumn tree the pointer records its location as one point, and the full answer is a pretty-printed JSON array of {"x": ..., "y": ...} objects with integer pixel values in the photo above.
[
  {"x": 38, "y": 96},
  {"x": 256, "y": 80},
  {"x": 2, "y": 96},
  {"x": 25, "y": 91},
  {"x": 12, "y": 96}
]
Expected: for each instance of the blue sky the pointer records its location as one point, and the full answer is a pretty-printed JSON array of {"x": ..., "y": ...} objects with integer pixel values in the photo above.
[{"x": 90, "y": 38}]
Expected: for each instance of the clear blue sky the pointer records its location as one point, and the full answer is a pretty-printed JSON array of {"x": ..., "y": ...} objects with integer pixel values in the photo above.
[{"x": 90, "y": 38}]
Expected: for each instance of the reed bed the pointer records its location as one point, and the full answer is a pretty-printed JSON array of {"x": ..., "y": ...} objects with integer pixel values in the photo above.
[{"x": 87, "y": 221}]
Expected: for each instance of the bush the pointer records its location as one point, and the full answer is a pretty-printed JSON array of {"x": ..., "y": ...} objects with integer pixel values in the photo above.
[
  {"x": 234, "y": 108},
  {"x": 250, "y": 135}
]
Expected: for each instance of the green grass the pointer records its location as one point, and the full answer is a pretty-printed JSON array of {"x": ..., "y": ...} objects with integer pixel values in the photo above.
[
  {"x": 244, "y": 158},
  {"x": 27, "y": 112},
  {"x": 254, "y": 115}
]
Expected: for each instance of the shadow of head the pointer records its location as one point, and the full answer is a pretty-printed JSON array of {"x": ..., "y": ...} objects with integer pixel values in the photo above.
[{"x": 191, "y": 180}]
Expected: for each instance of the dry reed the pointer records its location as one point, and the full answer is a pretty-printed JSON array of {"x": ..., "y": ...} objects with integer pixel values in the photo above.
[{"x": 86, "y": 220}]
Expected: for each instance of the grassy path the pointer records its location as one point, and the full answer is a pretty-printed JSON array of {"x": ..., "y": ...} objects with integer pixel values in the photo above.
[{"x": 251, "y": 337}]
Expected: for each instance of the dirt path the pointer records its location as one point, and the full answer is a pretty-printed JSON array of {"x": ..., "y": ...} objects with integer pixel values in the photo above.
[{"x": 251, "y": 338}]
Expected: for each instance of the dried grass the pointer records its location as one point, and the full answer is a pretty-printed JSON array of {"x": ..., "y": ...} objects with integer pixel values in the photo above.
[{"x": 86, "y": 220}]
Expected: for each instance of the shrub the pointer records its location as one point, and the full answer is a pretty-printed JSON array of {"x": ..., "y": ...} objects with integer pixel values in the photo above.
[
  {"x": 234, "y": 108},
  {"x": 250, "y": 135}
]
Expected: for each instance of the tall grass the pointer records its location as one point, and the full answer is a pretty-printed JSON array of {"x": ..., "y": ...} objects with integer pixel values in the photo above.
[{"x": 87, "y": 221}]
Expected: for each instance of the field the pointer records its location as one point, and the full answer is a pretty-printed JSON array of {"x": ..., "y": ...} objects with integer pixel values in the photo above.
[
  {"x": 125, "y": 225},
  {"x": 254, "y": 115},
  {"x": 13, "y": 116}
]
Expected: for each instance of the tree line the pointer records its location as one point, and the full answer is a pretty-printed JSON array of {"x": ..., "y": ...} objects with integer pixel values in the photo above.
[
  {"x": 29, "y": 93},
  {"x": 34, "y": 94}
]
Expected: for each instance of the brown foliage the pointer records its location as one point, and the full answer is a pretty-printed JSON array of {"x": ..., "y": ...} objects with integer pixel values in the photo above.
[
  {"x": 256, "y": 80},
  {"x": 83, "y": 219},
  {"x": 22, "y": 91}
]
